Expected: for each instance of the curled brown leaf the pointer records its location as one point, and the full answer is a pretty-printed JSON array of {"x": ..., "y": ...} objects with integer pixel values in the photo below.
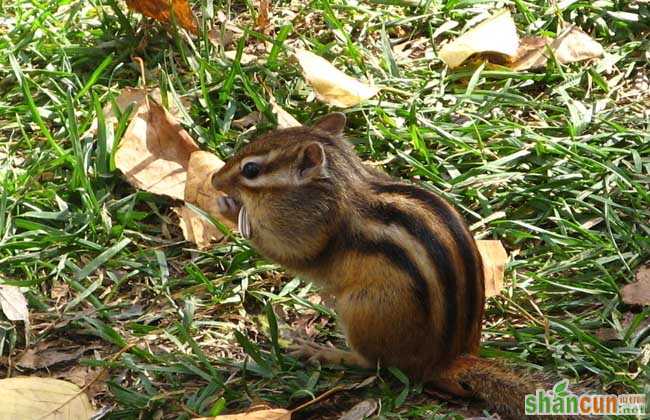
[
  {"x": 162, "y": 10},
  {"x": 155, "y": 151}
]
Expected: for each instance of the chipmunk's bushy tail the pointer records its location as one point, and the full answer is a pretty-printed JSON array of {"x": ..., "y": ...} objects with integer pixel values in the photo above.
[{"x": 500, "y": 387}]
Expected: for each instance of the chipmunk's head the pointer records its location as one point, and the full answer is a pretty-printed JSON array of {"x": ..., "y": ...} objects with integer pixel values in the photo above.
[{"x": 277, "y": 185}]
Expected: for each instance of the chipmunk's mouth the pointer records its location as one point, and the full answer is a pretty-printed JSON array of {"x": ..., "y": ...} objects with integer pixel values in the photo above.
[{"x": 235, "y": 210}]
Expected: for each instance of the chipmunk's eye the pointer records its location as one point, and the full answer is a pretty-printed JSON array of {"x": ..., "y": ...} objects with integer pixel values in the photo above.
[{"x": 250, "y": 170}]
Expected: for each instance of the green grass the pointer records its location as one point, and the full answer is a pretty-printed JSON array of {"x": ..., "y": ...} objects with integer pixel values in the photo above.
[{"x": 555, "y": 163}]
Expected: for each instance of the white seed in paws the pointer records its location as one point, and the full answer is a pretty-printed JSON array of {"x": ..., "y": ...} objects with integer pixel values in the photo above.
[{"x": 243, "y": 223}]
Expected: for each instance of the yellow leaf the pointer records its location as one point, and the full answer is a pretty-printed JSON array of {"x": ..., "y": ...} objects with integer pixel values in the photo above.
[
  {"x": 34, "y": 398},
  {"x": 285, "y": 120},
  {"x": 272, "y": 414},
  {"x": 332, "y": 86},
  {"x": 494, "y": 258},
  {"x": 161, "y": 10},
  {"x": 496, "y": 34}
]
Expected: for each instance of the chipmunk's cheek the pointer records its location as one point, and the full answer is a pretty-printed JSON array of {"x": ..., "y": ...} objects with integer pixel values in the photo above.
[{"x": 243, "y": 223}]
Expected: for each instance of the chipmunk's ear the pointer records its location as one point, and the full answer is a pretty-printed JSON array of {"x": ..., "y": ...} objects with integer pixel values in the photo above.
[
  {"x": 333, "y": 123},
  {"x": 312, "y": 161}
]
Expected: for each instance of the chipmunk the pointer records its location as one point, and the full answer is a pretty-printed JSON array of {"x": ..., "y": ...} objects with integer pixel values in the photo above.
[{"x": 400, "y": 261}]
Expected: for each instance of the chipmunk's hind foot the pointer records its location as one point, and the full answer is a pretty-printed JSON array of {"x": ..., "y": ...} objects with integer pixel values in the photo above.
[{"x": 314, "y": 352}]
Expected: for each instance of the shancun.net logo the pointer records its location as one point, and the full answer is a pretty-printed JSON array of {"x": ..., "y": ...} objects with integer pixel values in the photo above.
[{"x": 560, "y": 400}]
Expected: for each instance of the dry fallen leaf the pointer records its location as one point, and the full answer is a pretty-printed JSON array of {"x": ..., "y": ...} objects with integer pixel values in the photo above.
[
  {"x": 126, "y": 98},
  {"x": 638, "y": 293},
  {"x": 628, "y": 327},
  {"x": 13, "y": 304},
  {"x": 10, "y": 161},
  {"x": 532, "y": 53},
  {"x": 199, "y": 191},
  {"x": 263, "y": 12},
  {"x": 224, "y": 34},
  {"x": 572, "y": 45},
  {"x": 157, "y": 155},
  {"x": 494, "y": 258},
  {"x": 607, "y": 334},
  {"x": 447, "y": 26},
  {"x": 332, "y": 86},
  {"x": 360, "y": 411},
  {"x": 196, "y": 228},
  {"x": 37, "y": 398},
  {"x": 43, "y": 357},
  {"x": 162, "y": 10},
  {"x": 248, "y": 120},
  {"x": 285, "y": 120},
  {"x": 496, "y": 34},
  {"x": 59, "y": 290},
  {"x": 272, "y": 414},
  {"x": 244, "y": 59},
  {"x": 155, "y": 151},
  {"x": 198, "y": 188},
  {"x": 85, "y": 376},
  {"x": 576, "y": 46},
  {"x": 132, "y": 96}
]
